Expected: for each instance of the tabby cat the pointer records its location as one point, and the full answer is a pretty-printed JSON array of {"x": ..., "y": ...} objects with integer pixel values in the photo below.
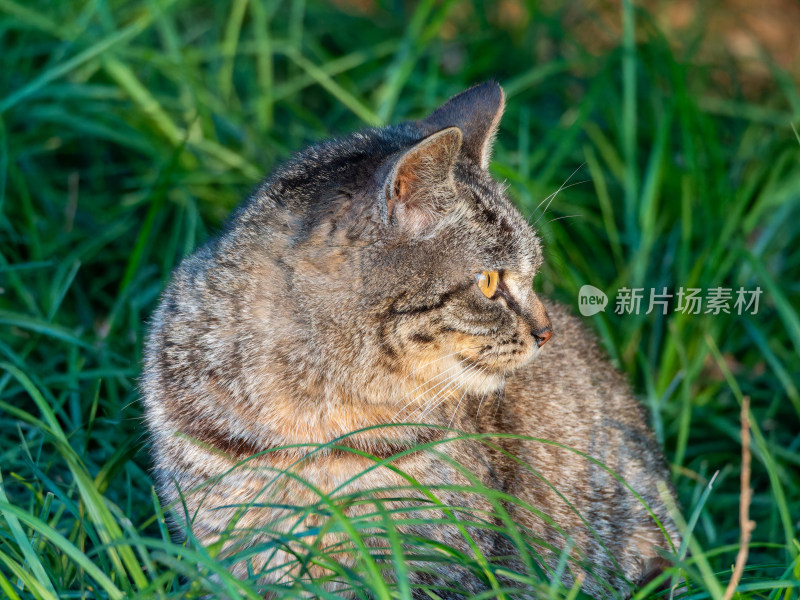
[{"x": 384, "y": 278}]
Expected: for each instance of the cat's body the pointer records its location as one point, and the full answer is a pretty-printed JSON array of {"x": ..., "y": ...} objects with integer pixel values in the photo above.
[{"x": 342, "y": 296}]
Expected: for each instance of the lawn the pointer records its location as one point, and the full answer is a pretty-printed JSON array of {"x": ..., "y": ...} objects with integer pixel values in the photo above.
[{"x": 129, "y": 130}]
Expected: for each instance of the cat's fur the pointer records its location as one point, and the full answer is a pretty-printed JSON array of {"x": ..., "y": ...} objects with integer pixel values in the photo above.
[{"x": 342, "y": 295}]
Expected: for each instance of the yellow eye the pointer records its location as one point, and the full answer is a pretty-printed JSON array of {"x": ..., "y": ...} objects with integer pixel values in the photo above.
[{"x": 487, "y": 282}]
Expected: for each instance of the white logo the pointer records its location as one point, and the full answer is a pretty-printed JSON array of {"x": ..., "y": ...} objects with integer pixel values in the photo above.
[{"x": 591, "y": 300}]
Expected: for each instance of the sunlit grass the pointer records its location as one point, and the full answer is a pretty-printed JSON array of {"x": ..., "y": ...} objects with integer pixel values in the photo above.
[{"x": 129, "y": 130}]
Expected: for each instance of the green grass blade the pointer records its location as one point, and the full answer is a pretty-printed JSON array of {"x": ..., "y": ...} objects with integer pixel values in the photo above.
[
  {"x": 63, "y": 544},
  {"x": 95, "y": 50},
  {"x": 23, "y": 543}
]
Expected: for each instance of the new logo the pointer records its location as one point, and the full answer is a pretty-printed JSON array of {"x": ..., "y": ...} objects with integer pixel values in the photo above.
[{"x": 591, "y": 300}]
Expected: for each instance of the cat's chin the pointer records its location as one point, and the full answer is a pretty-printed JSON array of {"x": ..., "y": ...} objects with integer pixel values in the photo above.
[
  {"x": 487, "y": 383},
  {"x": 489, "y": 377}
]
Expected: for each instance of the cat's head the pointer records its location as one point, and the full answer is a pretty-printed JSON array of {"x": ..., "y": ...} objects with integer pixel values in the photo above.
[{"x": 401, "y": 254}]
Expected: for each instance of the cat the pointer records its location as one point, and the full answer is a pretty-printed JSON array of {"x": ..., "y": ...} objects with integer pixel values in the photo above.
[{"x": 381, "y": 278}]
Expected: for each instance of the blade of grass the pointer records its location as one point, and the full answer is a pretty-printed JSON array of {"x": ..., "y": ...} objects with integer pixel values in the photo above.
[
  {"x": 230, "y": 41},
  {"x": 787, "y": 312},
  {"x": 127, "y": 80},
  {"x": 337, "y": 91},
  {"x": 95, "y": 50},
  {"x": 102, "y": 518},
  {"x": 264, "y": 67},
  {"x": 63, "y": 544},
  {"x": 39, "y": 591},
  {"x": 606, "y": 206},
  {"x": 23, "y": 543},
  {"x": 402, "y": 63},
  {"x": 43, "y": 327},
  {"x": 3, "y": 165},
  {"x": 629, "y": 119},
  {"x": 776, "y": 487},
  {"x": 9, "y": 591},
  {"x": 398, "y": 559}
]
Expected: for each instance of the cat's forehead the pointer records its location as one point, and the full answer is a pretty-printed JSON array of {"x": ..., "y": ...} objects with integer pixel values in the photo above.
[{"x": 505, "y": 235}]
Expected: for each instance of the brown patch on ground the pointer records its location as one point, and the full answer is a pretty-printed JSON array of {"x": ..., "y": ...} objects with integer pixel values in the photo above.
[
  {"x": 729, "y": 35},
  {"x": 357, "y": 7},
  {"x": 739, "y": 40}
]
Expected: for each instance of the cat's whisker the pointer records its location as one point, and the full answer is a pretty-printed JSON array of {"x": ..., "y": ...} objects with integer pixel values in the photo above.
[
  {"x": 496, "y": 360},
  {"x": 564, "y": 217},
  {"x": 437, "y": 360},
  {"x": 437, "y": 375},
  {"x": 486, "y": 393},
  {"x": 455, "y": 410},
  {"x": 478, "y": 412},
  {"x": 497, "y": 402},
  {"x": 383, "y": 343},
  {"x": 443, "y": 393},
  {"x": 434, "y": 361},
  {"x": 425, "y": 384},
  {"x": 430, "y": 405},
  {"x": 433, "y": 401},
  {"x": 445, "y": 383},
  {"x": 425, "y": 409},
  {"x": 552, "y": 197},
  {"x": 561, "y": 187},
  {"x": 469, "y": 380}
]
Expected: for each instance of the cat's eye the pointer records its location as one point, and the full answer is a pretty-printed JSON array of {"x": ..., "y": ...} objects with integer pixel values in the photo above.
[{"x": 487, "y": 282}]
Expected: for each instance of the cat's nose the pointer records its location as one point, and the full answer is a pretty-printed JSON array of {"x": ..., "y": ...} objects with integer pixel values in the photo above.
[
  {"x": 539, "y": 322},
  {"x": 542, "y": 335}
]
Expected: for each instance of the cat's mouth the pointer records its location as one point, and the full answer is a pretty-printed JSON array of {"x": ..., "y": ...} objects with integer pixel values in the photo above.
[{"x": 502, "y": 358}]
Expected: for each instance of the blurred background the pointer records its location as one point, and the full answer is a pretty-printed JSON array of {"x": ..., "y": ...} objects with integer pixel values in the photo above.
[{"x": 130, "y": 129}]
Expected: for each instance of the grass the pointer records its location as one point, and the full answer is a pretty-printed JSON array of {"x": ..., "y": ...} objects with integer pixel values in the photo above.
[{"x": 128, "y": 131}]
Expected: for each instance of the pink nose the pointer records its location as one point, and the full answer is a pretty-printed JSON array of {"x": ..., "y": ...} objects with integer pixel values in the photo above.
[{"x": 542, "y": 336}]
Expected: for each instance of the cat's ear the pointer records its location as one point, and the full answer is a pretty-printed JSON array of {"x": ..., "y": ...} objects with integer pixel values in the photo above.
[
  {"x": 413, "y": 185},
  {"x": 476, "y": 112}
]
